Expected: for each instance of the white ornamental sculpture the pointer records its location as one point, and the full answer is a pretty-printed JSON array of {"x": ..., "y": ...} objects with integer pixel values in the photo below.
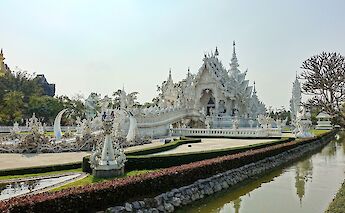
[
  {"x": 57, "y": 125},
  {"x": 133, "y": 129},
  {"x": 263, "y": 121},
  {"x": 303, "y": 124},
  {"x": 79, "y": 129},
  {"x": 251, "y": 123},
  {"x": 108, "y": 161},
  {"x": 34, "y": 125},
  {"x": 16, "y": 129},
  {"x": 295, "y": 101},
  {"x": 91, "y": 105},
  {"x": 235, "y": 123}
]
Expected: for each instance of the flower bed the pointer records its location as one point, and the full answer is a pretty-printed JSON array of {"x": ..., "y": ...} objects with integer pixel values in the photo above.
[{"x": 100, "y": 196}]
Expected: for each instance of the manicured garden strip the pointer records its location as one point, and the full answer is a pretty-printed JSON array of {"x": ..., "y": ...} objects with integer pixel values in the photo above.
[
  {"x": 9, "y": 177},
  {"x": 90, "y": 179},
  {"x": 40, "y": 169},
  {"x": 101, "y": 195},
  {"x": 155, "y": 162},
  {"x": 338, "y": 203}
]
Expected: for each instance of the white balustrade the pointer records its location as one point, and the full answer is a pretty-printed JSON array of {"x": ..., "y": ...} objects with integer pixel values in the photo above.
[
  {"x": 245, "y": 132},
  {"x": 7, "y": 129}
]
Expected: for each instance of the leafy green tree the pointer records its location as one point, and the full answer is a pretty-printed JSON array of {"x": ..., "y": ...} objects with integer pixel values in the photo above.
[
  {"x": 75, "y": 108},
  {"x": 12, "y": 107},
  {"x": 19, "y": 81},
  {"x": 45, "y": 107}
]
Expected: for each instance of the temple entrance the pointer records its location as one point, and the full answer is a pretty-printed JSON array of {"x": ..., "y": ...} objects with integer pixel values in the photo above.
[
  {"x": 210, "y": 107},
  {"x": 207, "y": 102}
]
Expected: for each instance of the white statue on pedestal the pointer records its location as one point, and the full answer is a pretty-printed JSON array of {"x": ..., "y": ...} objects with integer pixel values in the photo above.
[
  {"x": 108, "y": 162},
  {"x": 235, "y": 123},
  {"x": 208, "y": 123},
  {"x": 251, "y": 122},
  {"x": 303, "y": 124},
  {"x": 34, "y": 124},
  {"x": 16, "y": 129},
  {"x": 79, "y": 129}
]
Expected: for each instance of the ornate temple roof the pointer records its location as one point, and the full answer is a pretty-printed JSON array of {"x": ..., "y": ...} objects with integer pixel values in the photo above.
[
  {"x": 3, "y": 66},
  {"x": 231, "y": 81}
]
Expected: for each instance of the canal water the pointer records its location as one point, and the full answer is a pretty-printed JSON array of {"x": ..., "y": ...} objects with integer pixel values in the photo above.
[
  {"x": 308, "y": 185},
  {"x": 13, "y": 189}
]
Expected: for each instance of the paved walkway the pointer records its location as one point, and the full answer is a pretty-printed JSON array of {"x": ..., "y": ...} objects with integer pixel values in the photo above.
[
  {"x": 214, "y": 144},
  {"x": 12, "y": 161}
]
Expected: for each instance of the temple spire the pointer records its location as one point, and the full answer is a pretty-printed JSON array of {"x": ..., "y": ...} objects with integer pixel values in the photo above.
[
  {"x": 234, "y": 62},
  {"x": 254, "y": 88},
  {"x": 2, "y": 64},
  {"x": 2, "y": 58},
  {"x": 170, "y": 78},
  {"x": 216, "y": 53}
]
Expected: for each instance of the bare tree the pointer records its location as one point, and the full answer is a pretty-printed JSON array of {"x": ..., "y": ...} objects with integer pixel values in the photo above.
[{"x": 324, "y": 76}]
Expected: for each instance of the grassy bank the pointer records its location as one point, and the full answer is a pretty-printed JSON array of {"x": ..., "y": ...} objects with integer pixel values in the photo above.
[
  {"x": 338, "y": 203},
  {"x": 90, "y": 179},
  {"x": 8, "y": 177},
  {"x": 318, "y": 131}
]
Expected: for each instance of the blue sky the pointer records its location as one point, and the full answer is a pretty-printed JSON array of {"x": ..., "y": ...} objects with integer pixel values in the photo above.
[{"x": 86, "y": 46}]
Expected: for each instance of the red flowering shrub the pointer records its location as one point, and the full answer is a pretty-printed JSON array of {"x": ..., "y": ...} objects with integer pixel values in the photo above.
[{"x": 110, "y": 193}]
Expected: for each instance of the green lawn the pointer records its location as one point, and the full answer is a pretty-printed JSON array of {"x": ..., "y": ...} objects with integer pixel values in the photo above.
[
  {"x": 318, "y": 131},
  {"x": 45, "y": 133},
  {"x": 39, "y": 174},
  {"x": 90, "y": 179}
]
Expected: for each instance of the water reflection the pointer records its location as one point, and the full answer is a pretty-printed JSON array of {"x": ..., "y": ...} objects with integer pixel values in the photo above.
[
  {"x": 230, "y": 200},
  {"x": 237, "y": 205},
  {"x": 13, "y": 189},
  {"x": 304, "y": 172},
  {"x": 309, "y": 185}
]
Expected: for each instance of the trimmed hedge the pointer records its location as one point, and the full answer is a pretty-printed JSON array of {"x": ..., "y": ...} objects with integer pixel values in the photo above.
[
  {"x": 40, "y": 169},
  {"x": 157, "y": 161},
  {"x": 102, "y": 195}
]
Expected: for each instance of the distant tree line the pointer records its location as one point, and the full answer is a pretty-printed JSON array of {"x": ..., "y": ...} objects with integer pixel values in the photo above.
[{"x": 21, "y": 96}]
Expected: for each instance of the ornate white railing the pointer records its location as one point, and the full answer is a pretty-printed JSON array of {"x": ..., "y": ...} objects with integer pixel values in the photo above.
[
  {"x": 7, "y": 129},
  {"x": 245, "y": 132}
]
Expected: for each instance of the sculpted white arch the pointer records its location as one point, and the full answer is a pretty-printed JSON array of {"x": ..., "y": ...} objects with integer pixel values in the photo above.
[
  {"x": 132, "y": 128},
  {"x": 57, "y": 125}
]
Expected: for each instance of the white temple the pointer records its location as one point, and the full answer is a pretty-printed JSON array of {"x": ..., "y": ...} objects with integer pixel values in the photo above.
[
  {"x": 213, "y": 98},
  {"x": 215, "y": 91}
]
